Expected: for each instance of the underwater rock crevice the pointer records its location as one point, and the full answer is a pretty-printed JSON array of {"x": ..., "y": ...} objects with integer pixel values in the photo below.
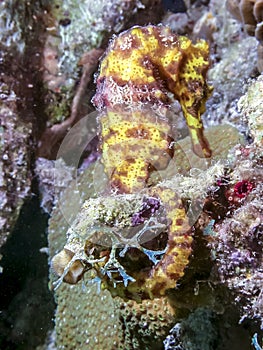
[{"x": 27, "y": 306}]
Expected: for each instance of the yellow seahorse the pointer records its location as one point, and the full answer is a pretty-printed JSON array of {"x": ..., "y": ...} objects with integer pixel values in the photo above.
[{"x": 141, "y": 68}]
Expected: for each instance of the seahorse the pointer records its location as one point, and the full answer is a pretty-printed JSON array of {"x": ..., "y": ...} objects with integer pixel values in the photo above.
[
  {"x": 140, "y": 68},
  {"x": 150, "y": 283},
  {"x": 139, "y": 72}
]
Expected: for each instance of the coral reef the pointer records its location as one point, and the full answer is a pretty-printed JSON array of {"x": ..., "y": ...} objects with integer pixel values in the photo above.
[
  {"x": 237, "y": 244},
  {"x": 99, "y": 327},
  {"x": 71, "y": 298},
  {"x": 250, "y": 106},
  {"x": 212, "y": 192},
  {"x": 206, "y": 329},
  {"x": 78, "y": 302},
  {"x": 15, "y": 175},
  {"x": 250, "y": 14},
  {"x": 12, "y": 29},
  {"x": 22, "y": 36},
  {"x": 19, "y": 46},
  {"x": 227, "y": 77},
  {"x": 197, "y": 332},
  {"x": 237, "y": 241},
  {"x": 81, "y": 27},
  {"x": 145, "y": 325},
  {"x": 49, "y": 173}
]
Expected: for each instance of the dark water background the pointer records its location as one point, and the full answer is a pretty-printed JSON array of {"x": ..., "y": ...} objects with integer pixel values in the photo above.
[{"x": 26, "y": 304}]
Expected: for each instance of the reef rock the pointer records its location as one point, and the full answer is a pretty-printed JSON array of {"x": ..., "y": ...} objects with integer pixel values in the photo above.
[{"x": 15, "y": 174}]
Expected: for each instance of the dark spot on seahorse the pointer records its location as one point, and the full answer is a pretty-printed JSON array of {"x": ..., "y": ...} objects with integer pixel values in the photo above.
[
  {"x": 173, "y": 275},
  {"x": 138, "y": 132},
  {"x": 194, "y": 111},
  {"x": 136, "y": 42},
  {"x": 173, "y": 67},
  {"x": 179, "y": 222},
  {"x": 166, "y": 262},
  {"x": 157, "y": 287},
  {"x": 110, "y": 133},
  {"x": 145, "y": 31},
  {"x": 122, "y": 173},
  {"x": 146, "y": 62},
  {"x": 119, "y": 186}
]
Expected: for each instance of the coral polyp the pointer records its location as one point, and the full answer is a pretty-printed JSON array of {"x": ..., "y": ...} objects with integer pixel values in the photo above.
[{"x": 242, "y": 188}]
